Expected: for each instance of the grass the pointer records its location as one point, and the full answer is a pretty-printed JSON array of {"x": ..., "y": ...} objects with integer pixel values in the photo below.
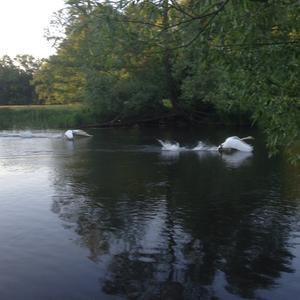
[{"x": 44, "y": 116}]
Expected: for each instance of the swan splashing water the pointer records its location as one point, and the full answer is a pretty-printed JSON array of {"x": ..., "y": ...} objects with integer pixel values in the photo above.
[
  {"x": 69, "y": 134},
  {"x": 169, "y": 146},
  {"x": 236, "y": 143},
  {"x": 203, "y": 147},
  {"x": 231, "y": 143}
]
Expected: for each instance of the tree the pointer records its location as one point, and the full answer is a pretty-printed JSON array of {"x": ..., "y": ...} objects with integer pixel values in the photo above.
[{"x": 15, "y": 79}]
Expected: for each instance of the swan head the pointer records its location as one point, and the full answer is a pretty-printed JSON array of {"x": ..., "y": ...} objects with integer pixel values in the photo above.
[{"x": 220, "y": 148}]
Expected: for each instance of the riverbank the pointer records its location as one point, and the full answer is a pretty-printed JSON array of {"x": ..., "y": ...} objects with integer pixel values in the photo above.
[
  {"x": 44, "y": 116},
  {"x": 80, "y": 116}
]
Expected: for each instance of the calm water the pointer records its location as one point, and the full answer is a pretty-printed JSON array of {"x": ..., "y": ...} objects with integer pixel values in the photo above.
[{"x": 114, "y": 217}]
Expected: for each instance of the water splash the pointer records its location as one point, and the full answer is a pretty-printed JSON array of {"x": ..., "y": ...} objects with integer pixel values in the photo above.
[
  {"x": 169, "y": 146},
  {"x": 204, "y": 147},
  {"x": 28, "y": 134},
  {"x": 175, "y": 146}
]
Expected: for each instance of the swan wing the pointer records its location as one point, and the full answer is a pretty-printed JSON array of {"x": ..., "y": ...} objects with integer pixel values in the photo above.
[
  {"x": 80, "y": 132},
  {"x": 237, "y": 144}
]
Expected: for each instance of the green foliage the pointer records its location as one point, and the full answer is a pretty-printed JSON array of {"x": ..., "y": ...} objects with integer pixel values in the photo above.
[
  {"x": 248, "y": 64},
  {"x": 58, "y": 82},
  {"x": 15, "y": 79},
  {"x": 110, "y": 96}
]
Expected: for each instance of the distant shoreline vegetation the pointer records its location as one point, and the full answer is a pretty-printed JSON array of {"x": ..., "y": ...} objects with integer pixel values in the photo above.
[
  {"x": 44, "y": 116},
  {"x": 55, "y": 116}
]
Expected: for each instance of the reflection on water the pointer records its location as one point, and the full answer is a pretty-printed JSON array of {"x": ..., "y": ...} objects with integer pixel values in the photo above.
[
  {"x": 154, "y": 224},
  {"x": 236, "y": 159}
]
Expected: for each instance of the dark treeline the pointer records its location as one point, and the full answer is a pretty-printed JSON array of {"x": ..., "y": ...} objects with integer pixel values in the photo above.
[
  {"x": 202, "y": 61},
  {"x": 15, "y": 79}
]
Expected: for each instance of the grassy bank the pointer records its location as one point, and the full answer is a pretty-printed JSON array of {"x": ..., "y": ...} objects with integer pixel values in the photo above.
[{"x": 44, "y": 116}]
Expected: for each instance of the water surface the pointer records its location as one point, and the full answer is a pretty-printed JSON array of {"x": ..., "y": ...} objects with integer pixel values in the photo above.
[{"x": 115, "y": 217}]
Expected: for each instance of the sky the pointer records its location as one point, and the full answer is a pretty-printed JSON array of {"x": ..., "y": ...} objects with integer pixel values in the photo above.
[{"x": 22, "y": 25}]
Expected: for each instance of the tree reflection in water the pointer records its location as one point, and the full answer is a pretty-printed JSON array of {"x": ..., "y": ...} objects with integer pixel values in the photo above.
[{"x": 168, "y": 230}]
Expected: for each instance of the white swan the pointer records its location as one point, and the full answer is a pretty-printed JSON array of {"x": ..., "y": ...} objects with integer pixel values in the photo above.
[
  {"x": 69, "y": 134},
  {"x": 236, "y": 143}
]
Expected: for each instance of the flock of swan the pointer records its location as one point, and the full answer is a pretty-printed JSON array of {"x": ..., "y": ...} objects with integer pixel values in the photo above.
[{"x": 231, "y": 143}]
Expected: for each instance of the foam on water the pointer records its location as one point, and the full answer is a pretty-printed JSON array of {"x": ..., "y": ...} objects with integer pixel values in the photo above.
[
  {"x": 203, "y": 147},
  {"x": 169, "y": 146},
  {"x": 27, "y": 134},
  {"x": 175, "y": 146}
]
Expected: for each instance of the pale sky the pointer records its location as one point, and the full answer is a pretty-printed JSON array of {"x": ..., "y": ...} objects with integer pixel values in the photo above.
[{"x": 22, "y": 24}]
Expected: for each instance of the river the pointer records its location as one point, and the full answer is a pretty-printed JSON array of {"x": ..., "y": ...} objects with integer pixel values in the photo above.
[{"x": 116, "y": 217}]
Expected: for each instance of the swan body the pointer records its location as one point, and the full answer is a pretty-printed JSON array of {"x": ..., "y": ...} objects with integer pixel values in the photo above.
[
  {"x": 236, "y": 143},
  {"x": 69, "y": 134}
]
